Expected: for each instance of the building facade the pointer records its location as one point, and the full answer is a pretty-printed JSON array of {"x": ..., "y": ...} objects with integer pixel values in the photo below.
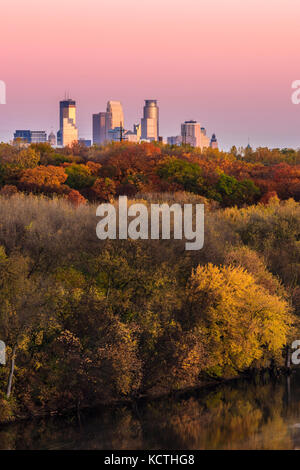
[
  {"x": 133, "y": 136},
  {"x": 38, "y": 137},
  {"x": 150, "y": 121},
  {"x": 52, "y": 139},
  {"x": 68, "y": 132},
  {"x": 114, "y": 115},
  {"x": 214, "y": 142},
  {"x": 100, "y": 128},
  {"x": 23, "y": 135},
  {"x": 116, "y": 134},
  {"x": 174, "y": 140},
  {"x": 30, "y": 137},
  {"x": 86, "y": 142},
  {"x": 193, "y": 134}
]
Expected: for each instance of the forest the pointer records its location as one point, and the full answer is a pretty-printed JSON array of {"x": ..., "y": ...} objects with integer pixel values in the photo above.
[
  {"x": 88, "y": 322},
  {"x": 101, "y": 173}
]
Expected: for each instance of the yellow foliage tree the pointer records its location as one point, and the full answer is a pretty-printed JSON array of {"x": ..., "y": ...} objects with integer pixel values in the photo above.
[{"x": 240, "y": 320}]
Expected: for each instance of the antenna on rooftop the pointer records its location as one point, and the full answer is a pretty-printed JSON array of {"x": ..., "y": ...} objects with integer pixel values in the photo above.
[{"x": 121, "y": 131}]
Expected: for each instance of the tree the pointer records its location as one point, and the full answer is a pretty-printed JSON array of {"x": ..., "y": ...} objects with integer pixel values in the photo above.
[
  {"x": 104, "y": 189},
  {"x": 8, "y": 190},
  {"x": 43, "y": 178},
  {"x": 79, "y": 176},
  {"x": 26, "y": 158},
  {"x": 239, "y": 320},
  {"x": 19, "y": 301},
  {"x": 76, "y": 198},
  {"x": 181, "y": 172}
]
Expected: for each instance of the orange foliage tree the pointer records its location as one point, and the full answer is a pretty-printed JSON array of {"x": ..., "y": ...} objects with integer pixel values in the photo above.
[{"x": 43, "y": 178}]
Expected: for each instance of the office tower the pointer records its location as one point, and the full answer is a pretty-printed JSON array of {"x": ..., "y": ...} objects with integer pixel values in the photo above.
[
  {"x": 68, "y": 132},
  {"x": 100, "y": 128},
  {"x": 52, "y": 139},
  {"x": 115, "y": 116},
  {"x": 192, "y": 134},
  {"x": 150, "y": 120},
  {"x": 213, "y": 142},
  {"x": 38, "y": 137},
  {"x": 23, "y": 135}
]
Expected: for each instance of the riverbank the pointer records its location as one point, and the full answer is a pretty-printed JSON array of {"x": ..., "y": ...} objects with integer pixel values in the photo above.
[
  {"x": 236, "y": 414},
  {"x": 205, "y": 386}
]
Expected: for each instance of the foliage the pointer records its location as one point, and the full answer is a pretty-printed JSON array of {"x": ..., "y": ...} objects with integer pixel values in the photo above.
[
  {"x": 91, "y": 322},
  {"x": 240, "y": 321}
]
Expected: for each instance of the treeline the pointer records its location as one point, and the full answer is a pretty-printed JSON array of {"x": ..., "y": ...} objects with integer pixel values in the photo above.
[
  {"x": 88, "y": 321},
  {"x": 100, "y": 173}
]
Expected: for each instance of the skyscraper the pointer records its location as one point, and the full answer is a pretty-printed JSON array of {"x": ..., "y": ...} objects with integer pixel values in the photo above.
[
  {"x": 100, "y": 128},
  {"x": 193, "y": 134},
  {"x": 150, "y": 120},
  {"x": 115, "y": 116},
  {"x": 68, "y": 132}
]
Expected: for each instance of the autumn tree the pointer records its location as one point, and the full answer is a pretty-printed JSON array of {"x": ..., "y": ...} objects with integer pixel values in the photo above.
[
  {"x": 43, "y": 178},
  {"x": 103, "y": 189},
  {"x": 240, "y": 321},
  {"x": 75, "y": 198}
]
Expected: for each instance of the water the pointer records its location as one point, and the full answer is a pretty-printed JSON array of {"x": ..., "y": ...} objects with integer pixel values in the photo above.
[{"x": 236, "y": 415}]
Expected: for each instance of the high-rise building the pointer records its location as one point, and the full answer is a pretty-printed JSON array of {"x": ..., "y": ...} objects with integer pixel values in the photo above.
[
  {"x": 115, "y": 116},
  {"x": 193, "y": 134},
  {"x": 213, "y": 142},
  {"x": 38, "y": 137},
  {"x": 100, "y": 128},
  {"x": 68, "y": 132},
  {"x": 150, "y": 121}
]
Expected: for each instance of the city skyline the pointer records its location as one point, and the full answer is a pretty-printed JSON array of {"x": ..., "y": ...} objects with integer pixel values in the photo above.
[
  {"x": 109, "y": 126},
  {"x": 224, "y": 63}
]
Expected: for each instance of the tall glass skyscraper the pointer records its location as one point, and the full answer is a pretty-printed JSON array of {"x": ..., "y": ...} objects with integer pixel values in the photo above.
[
  {"x": 68, "y": 132},
  {"x": 115, "y": 115},
  {"x": 150, "y": 120},
  {"x": 100, "y": 128},
  {"x": 104, "y": 122}
]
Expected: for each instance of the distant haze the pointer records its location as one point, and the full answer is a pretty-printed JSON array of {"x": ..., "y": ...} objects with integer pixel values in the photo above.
[{"x": 226, "y": 63}]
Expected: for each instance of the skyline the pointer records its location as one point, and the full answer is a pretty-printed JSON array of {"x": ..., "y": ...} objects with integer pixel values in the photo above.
[
  {"x": 222, "y": 63},
  {"x": 108, "y": 126}
]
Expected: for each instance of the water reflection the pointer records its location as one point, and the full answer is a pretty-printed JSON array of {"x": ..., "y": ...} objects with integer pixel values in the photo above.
[{"x": 240, "y": 415}]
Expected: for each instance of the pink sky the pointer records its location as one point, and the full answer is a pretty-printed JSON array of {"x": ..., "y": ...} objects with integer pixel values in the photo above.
[{"x": 227, "y": 63}]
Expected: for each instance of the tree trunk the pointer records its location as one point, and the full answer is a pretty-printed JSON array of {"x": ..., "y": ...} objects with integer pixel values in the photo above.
[
  {"x": 11, "y": 373},
  {"x": 288, "y": 357}
]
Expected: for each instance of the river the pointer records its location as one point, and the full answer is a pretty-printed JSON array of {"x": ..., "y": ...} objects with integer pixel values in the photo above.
[{"x": 236, "y": 415}]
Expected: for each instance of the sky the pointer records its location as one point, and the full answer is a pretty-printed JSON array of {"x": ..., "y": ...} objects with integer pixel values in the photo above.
[{"x": 228, "y": 64}]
